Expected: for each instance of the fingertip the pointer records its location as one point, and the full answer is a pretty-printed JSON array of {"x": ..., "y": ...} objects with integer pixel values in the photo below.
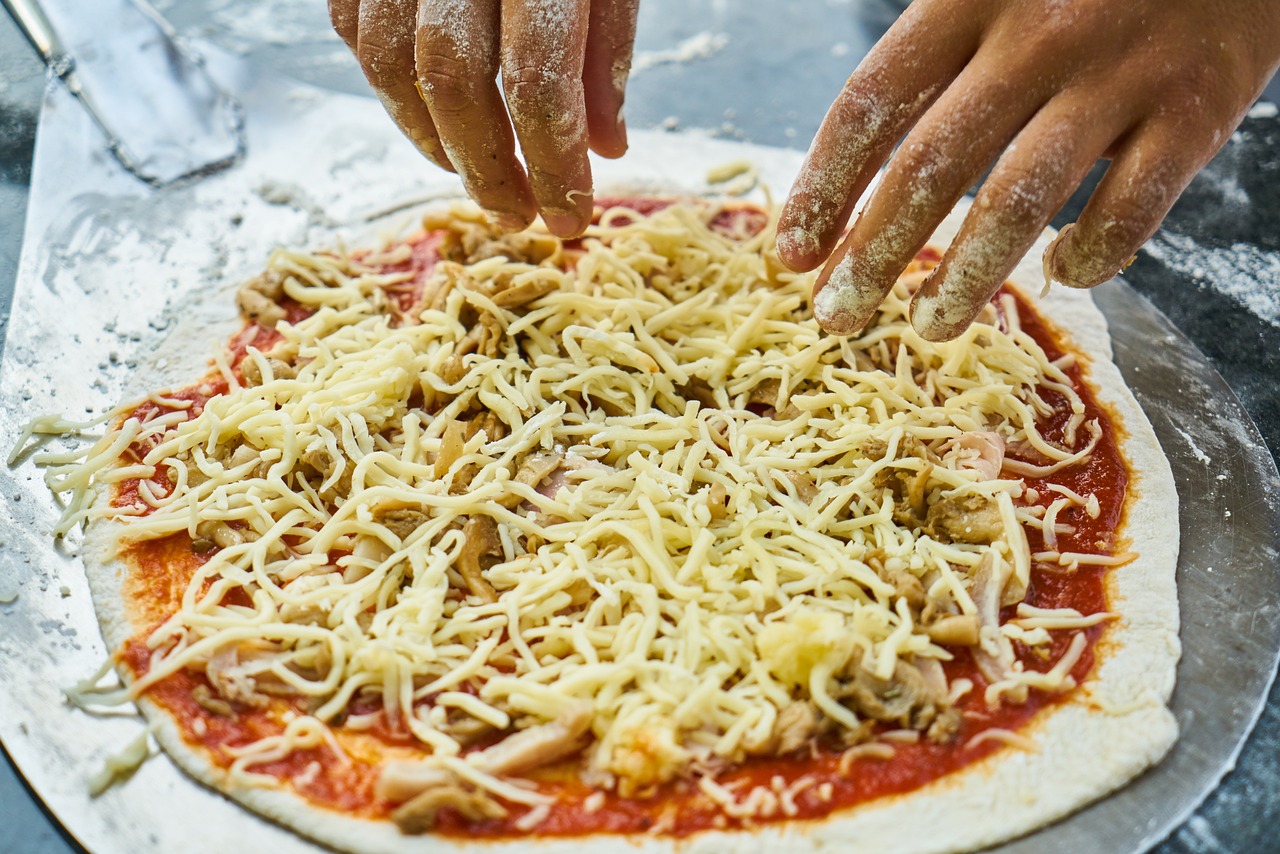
[
  {"x": 510, "y": 221},
  {"x": 842, "y": 304},
  {"x": 564, "y": 225},
  {"x": 936, "y": 318},
  {"x": 611, "y": 143},
  {"x": 1069, "y": 264},
  {"x": 798, "y": 248}
]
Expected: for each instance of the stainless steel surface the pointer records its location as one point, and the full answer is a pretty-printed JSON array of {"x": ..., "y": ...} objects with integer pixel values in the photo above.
[
  {"x": 31, "y": 19},
  {"x": 1228, "y": 579},
  {"x": 160, "y": 112}
]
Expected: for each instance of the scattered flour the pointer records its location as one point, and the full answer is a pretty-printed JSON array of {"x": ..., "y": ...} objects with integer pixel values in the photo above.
[
  {"x": 1245, "y": 273},
  {"x": 703, "y": 45},
  {"x": 1264, "y": 110},
  {"x": 1195, "y": 449}
]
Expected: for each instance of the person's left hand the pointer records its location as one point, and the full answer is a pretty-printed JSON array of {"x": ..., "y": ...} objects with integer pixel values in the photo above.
[{"x": 564, "y": 64}]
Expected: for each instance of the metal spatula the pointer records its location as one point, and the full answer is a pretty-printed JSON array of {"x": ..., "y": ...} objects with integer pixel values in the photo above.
[{"x": 164, "y": 117}]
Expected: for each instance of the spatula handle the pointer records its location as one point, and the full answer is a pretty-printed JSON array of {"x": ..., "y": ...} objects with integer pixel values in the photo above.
[{"x": 31, "y": 19}]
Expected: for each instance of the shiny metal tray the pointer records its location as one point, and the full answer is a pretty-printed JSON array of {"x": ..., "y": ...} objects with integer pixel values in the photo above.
[{"x": 113, "y": 293}]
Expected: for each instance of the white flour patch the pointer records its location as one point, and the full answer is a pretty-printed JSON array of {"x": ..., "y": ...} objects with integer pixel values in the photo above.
[
  {"x": 703, "y": 45},
  {"x": 1243, "y": 272},
  {"x": 1195, "y": 449},
  {"x": 1264, "y": 110}
]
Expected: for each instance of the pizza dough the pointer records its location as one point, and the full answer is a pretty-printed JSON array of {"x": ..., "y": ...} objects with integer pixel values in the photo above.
[{"x": 1111, "y": 730}]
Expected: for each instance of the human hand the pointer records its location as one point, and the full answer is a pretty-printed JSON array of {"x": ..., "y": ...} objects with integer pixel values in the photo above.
[
  {"x": 1045, "y": 86},
  {"x": 564, "y": 63}
]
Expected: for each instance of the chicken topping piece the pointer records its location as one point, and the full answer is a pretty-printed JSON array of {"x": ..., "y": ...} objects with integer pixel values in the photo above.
[
  {"x": 259, "y": 299},
  {"x": 419, "y": 814},
  {"x": 541, "y": 745},
  {"x": 427, "y": 788},
  {"x": 981, "y": 451},
  {"x": 472, "y": 238},
  {"x": 796, "y": 725}
]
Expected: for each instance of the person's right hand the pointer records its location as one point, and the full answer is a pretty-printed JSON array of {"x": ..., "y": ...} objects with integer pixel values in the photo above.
[{"x": 564, "y": 64}]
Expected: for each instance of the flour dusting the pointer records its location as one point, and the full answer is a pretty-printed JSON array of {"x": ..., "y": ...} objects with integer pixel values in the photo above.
[
  {"x": 1264, "y": 110},
  {"x": 1248, "y": 275},
  {"x": 703, "y": 45}
]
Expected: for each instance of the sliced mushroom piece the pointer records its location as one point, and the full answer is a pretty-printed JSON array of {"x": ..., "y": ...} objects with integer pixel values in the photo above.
[
  {"x": 907, "y": 586},
  {"x": 968, "y": 518},
  {"x": 481, "y": 544},
  {"x": 806, "y": 489},
  {"x": 765, "y": 395},
  {"x": 402, "y": 521},
  {"x": 954, "y": 630},
  {"x": 905, "y": 699},
  {"x": 222, "y": 535},
  {"x": 524, "y": 293},
  {"x": 251, "y": 372},
  {"x": 718, "y": 500},
  {"x": 451, "y": 447},
  {"x": 700, "y": 390},
  {"x": 490, "y": 423}
]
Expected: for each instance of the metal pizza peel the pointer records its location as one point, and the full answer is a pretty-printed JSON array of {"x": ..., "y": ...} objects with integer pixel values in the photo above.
[
  {"x": 123, "y": 286},
  {"x": 159, "y": 112}
]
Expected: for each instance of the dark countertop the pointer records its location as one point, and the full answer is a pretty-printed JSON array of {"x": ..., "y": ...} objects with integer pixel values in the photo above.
[{"x": 766, "y": 73}]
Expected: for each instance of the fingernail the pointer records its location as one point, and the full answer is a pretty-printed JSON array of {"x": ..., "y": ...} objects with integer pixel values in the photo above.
[
  {"x": 936, "y": 318},
  {"x": 1049, "y": 261},
  {"x": 621, "y": 129},
  {"x": 508, "y": 221},
  {"x": 840, "y": 305},
  {"x": 561, "y": 224}
]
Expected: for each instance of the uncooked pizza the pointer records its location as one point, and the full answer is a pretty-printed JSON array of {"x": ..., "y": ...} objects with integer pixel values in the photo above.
[{"x": 473, "y": 538}]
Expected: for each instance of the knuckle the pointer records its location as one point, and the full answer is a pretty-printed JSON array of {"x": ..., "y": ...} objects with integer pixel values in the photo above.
[
  {"x": 929, "y": 164},
  {"x": 545, "y": 106},
  {"x": 1023, "y": 192},
  {"x": 384, "y": 64},
  {"x": 447, "y": 85}
]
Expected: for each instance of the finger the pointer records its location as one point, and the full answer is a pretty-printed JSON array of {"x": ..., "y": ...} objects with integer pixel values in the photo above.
[
  {"x": 385, "y": 51},
  {"x": 610, "y": 35},
  {"x": 457, "y": 66},
  {"x": 1030, "y": 183},
  {"x": 1152, "y": 169},
  {"x": 345, "y": 17},
  {"x": 941, "y": 157},
  {"x": 920, "y": 54},
  {"x": 543, "y": 46}
]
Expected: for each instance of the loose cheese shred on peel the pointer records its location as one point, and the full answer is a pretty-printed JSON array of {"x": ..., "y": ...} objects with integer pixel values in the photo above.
[
  {"x": 118, "y": 766},
  {"x": 638, "y": 482}
]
